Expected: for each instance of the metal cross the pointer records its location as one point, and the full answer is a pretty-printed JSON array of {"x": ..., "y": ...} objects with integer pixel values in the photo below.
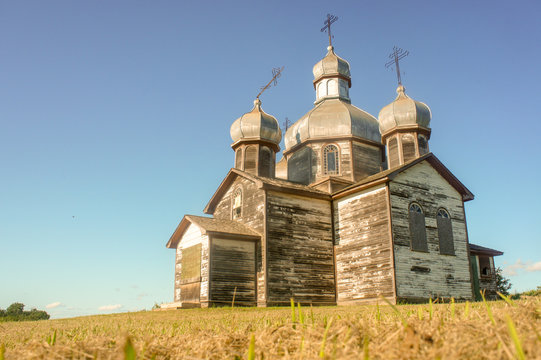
[
  {"x": 396, "y": 55},
  {"x": 286, "y": 124},
  {"x": 330, "y": 19},
  {"x": 276, "y": 72}
]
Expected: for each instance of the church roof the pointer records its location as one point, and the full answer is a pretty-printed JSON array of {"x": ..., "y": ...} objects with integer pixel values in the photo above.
[
  {"x": 262, "y": 183},
  {"x": 211, "y": 226},
  {"x": 476, "y": 249},
  {"x": 390, "y": 174}
]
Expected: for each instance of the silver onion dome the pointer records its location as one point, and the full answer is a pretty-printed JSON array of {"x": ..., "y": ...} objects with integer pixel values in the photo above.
[
  {"x": 404, "y": 112},
  {"x": 256, "y": 125}
]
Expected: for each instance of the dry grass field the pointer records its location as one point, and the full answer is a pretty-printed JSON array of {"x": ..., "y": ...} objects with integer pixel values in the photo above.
[{"x": 492, "y": 330}]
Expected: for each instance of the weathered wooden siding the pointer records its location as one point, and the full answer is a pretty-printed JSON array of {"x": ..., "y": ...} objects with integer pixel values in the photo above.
[
  {"x": 300, "y": 250},
  {"x": 252, "y": 215},
  {"x": 366, "y": 160},
  {"x": 364, "y": 263},
  {"x": 192, "y": 237},
  {"x": 233, "y": 272},
  {"x": 420, "y": 275}
]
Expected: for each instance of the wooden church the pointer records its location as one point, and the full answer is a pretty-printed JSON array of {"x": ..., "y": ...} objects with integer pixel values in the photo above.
[{"x": 357, "y": 208}]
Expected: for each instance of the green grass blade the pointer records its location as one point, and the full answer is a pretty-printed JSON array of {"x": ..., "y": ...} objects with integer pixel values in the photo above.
[
  {"x": 129, "y": 350},
  {"x": 506, "y": 298},
  {"x": 366, "y": 355},
  {"x": 301, "y": 316},
  {"x": 467, "y": 309},
  {"x": 452, "y": 308},
  {"x": 293, "y": 319},
  {"x": 514, "y": 335},
  {"x": 489, "y": 310},
  {"x": 322, "y": 348},
  {"x": 312, "y": 314},
  {"x": 402, "y": 319},
  {"x": 251, "y": 348},
  {"x": 430, "y": 310},
  {"x": 2, "y": 351}
]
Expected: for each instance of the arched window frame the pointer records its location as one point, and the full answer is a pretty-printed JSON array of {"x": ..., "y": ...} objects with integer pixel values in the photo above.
[
  {"x": 324, "y": 152},
  {"x": 417, "y": 227},
  {"x": 239, "y": 159},
  {"x": 445, "y": 232},
  {"x": 236, "y": 203}
]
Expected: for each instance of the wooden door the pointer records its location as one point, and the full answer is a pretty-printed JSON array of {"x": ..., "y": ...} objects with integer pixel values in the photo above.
[
  {"x": 233, "y": 272},
  {"x": 190, "y": 276}
]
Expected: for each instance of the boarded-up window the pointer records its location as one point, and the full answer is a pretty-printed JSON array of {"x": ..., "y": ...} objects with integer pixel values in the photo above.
[
  {"x": 423, "y": 145},
  {"x": 237, "y": 204},
  {"x": 484, "y": 266},
  {"x": 417, "y": 228},
  {"x": 232, "y": 272},
  {"x": 330, "y": 160},
  {"x": 265, "y": 162},
  {"x": 190, "y": 274},
  {"x": 394, "y": 161},
  {"x": 408, "y": 147},
  {"x": 250, "y": 158},
  {"x": 445, "y": 233},
  {"x": 299, "y": 166},
  {"x": 238, "y": 159}
]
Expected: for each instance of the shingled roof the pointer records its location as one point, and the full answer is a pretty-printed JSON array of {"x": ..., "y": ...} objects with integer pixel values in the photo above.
[
  {"x": 390, "y": 174},
  {"x": 211, "y": 226},
  {"x": 263, "y": 183},
  {"x": 481, "y": 250}
]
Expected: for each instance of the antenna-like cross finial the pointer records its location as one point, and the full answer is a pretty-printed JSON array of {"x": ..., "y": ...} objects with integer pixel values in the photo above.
[
  {"x": 330, "y": 19},
  {"x": 287, "y": 123},
  {"x": 395, "y": 56},
  {"x": 276, "y": 72}
]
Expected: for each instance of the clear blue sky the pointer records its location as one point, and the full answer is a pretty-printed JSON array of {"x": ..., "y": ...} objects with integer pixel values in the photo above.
[{"x": 115, "y": 116}]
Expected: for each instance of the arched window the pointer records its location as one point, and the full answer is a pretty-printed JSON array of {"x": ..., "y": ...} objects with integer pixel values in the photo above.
[
  {"x": 392, "y": 147},
  {"x": 417, "y": 228},
  {"x": 331, "y": 160},
  {"x": 423, "y": 144},
  {"x": 250, "y": 158},
  {"x": 238, "y": 159},
  {"x": 445, "y": 232},
  {"x": 237, "y": 204},
  {"x": 265, "y": 162},
  {"x": 408, "y": 147}
]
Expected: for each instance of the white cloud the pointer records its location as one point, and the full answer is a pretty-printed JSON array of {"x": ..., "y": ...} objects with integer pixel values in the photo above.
[
  {"x": 53, "y": 305},
  {"x": 534, "y": 267},
  {"x": 109, "y": 307},
  {"x": 513, "y": 269}
]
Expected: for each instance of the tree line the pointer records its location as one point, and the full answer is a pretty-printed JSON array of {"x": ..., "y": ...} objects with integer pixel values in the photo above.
[{"x": 16, "y": 312}]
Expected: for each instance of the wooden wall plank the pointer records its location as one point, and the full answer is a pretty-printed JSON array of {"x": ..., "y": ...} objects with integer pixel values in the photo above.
[
  {"x": 448, "y": 276},
  {"x": 363, "y": 254}
]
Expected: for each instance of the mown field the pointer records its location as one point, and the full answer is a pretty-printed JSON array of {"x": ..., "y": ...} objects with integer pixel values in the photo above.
[{"x": 492, "y": 330}]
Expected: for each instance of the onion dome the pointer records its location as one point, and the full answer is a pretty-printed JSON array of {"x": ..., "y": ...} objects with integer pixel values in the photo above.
[
  {"x": 331, "y": 118},
  {"x": 404, "y": 112},
  {"x": 331, "y": 66},
  {"x": 256, "y": 125}
]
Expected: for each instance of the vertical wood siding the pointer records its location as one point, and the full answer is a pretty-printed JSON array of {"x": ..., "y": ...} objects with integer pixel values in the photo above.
[
  {"x": 252, "y": 215},
  {"x": 421, "y": 275},
  {"x": 364, "y": 263},
  {"x": 392, "y": 155},
  {"x": 300, "y": 250},
  {"x": 191, "y": 238},
  {"x": 233, "y": 272},
  {"x": 366, "y": 160}
]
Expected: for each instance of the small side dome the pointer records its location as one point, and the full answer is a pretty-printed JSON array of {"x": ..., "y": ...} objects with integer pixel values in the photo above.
[
  {"x": 331, "y": 65},
  {"x": 404, "y": 112},
  {"x": 256, "y": 125}
]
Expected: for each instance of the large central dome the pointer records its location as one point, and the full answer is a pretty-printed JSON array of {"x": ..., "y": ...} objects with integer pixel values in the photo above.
[
  {"x": 333, "y": 118},
  {"x": 333, "y": 115}
]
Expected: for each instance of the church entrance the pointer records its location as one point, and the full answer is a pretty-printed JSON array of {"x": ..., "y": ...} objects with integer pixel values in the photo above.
[
  {"x": 190, "y": 279},
  {"x": 232, "y": 272}
]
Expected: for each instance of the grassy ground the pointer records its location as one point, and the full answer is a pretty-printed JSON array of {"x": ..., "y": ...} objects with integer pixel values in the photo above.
[{"x": 492, "y": 330}]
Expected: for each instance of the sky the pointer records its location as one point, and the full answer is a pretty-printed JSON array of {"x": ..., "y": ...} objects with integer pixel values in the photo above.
[{"x": 115, "y": 117}]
